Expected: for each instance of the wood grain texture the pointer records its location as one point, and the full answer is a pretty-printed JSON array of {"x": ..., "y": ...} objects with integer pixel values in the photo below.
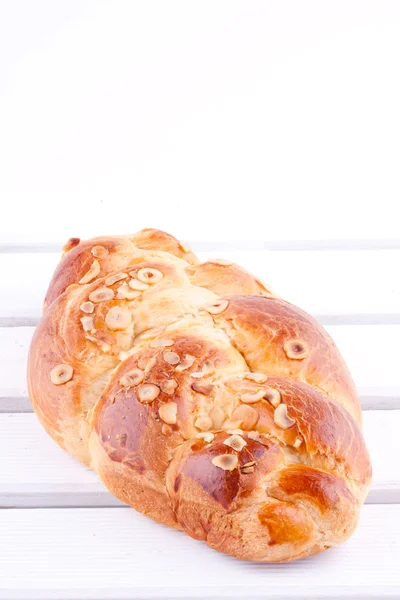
[{"x": 106, "y": 553}]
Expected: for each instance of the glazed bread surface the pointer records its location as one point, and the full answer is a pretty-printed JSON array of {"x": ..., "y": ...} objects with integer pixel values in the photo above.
[{"x": 200, "y": 398}]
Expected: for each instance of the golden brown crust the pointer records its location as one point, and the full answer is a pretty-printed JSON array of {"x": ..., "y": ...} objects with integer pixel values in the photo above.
[
  {"x": 223, "y": 278},
  {"x": 261, "y": 327},
  {"x": 199, "y": 397}
]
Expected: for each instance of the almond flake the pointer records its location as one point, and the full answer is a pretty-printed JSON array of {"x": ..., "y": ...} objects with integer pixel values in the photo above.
[
  {"x": 148, "y": 275},
  {"x": 235, "y": 442},
  {"x": 92, "y": 273},
  {"x": 133, "y": 377},
  {"x": 168, "y": 386},
  {"x": 168, "y": 412},
  {"x": 87, "y": 307},
  {"x": 147, "y": 392},
  {"x": 114, "y": 278},
  {"x": 227, "y": 462},
  {"x": 216, "y": 307},
  {"x": 99, "y": 251},
  {"x": 102, "y": 294},
  {"x": 87, "y": 323},
  {"x": 186, "y": 363},
  {"x": 60, "y": 374},
  {"x": 282, "y": 418}
]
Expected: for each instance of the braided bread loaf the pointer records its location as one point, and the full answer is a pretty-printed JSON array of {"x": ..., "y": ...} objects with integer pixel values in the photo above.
[{"x": 199, "y": 397}]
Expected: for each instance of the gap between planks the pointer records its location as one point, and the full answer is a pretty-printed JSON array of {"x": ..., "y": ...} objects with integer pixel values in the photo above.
[
  {"x": 371, "y": 399},
  {"x": 26, "y": 481},
  {"x": 231, "y": 245},
  {"x": 338, "y": 319},
  {"x": 321, "y": 283}
]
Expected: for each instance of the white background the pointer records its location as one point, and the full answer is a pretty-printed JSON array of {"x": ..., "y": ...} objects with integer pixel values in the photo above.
[
  {"x": 211, "y": 119},
  {"x": 269, "y": 134}
]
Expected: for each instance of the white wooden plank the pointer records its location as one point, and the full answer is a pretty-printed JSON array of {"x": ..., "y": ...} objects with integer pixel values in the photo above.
[
  {"x": 381, "y": 432},
  {"x": 14, "y": 346},
  {"x": 341, "y": 285},
  {"x": 101, "y": 553},
  {"x": 38, "y": 473},
  {"x": 330, "y": 282},
  {"x": 47, "y": 243},
  {"x": 370, "y": 351}
]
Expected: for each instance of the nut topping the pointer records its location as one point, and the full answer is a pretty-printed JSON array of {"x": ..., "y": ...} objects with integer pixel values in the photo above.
[
  {"x": 114, "y": 278},
  {"x": 261, "y": 438},
  {"x": 161, "y": 343},
  {"x": 133, "y": 377},
  {"x": 197, "y": 374},
  {"x": 168, "y": 412},
  {"x": 87, "y": 323},
  {"x": 87, "y": 307},
  {"x": 205, "y": 389},
  {"x": 166, "y": 429},
  {"x": 148, "y": 275},
  {"x": 218, "y": 416},
  {"x": 147, "y": 392},
  {"x": 135, "y": 284},
  {"x": 124, "y": 291},
  {"x": 216, "y": 307},
  {"x": 282, "y": 418},
  {"x": 227, "y": 462},
  {"x": 257, "y": 377},
  {"x": 101, "y": 295},
  {"x": 168, "y": 386},
  {"x": 251, "y": 397},
  {"x": 123, "y": 355},
  {"x": 186, "y": 363},
  {"x": 118, "y": 317},
  {"x": 92, "y": 273},
  {"x": 147, "y": 363},
  {"x": 207, "y": 369},
  {"x": 273, "y": 396},
  {"x": 99, "y": 251},
  {"x": 236, "y": 442},
  {"x": 298, "y": 442},
  {"x": 61, "y": 374},
  {"x": 172, "y": 358},
  {"x": 246, "y": 415},
  {"x": 203, "y": 423},
  {"x": 207, "y": 436},
  {"x": 247, "y": 470},
  {"x": 296, "y": 349}
]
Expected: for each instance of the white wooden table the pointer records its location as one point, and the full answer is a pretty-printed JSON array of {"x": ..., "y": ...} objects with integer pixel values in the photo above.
[
  {"x": 266, "y": 132},
  {"x": 64, "y": 536}
]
